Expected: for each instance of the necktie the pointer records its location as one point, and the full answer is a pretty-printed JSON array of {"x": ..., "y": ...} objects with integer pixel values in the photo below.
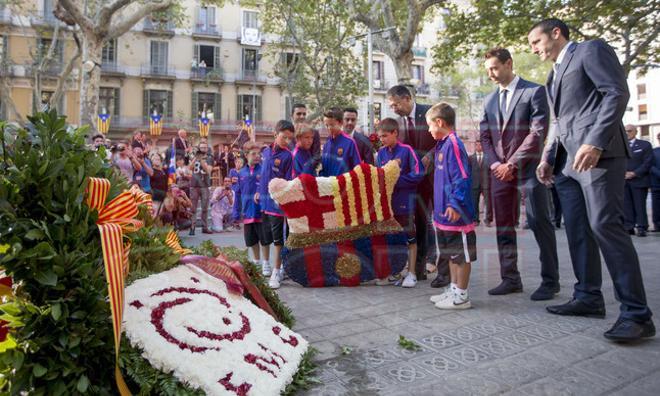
[
  {"x": 503, "y": 104},
  {"x": 479, "y": 159},
  {"x": 555, "y": 68},
  {"x": 411, "y": 128}
]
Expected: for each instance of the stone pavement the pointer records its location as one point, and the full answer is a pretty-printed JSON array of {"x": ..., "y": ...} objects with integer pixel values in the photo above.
[{"x": 504, "y": 345}]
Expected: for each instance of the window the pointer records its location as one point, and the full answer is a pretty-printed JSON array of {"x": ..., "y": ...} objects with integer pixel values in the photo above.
[
  {"x": 209, "y": 54},
  {"x": 158, "y": 58},
  {"x": 377, "y": 69},
  {"x": 250, "y": 19},
  {"x": 643, "y": 112},
  {"x": 289, "y": 61},
  {"x": 645, "y": 133},
  {"x": 109, "y": 55},
  {"x": 206, "y": 18},
  {"x": 418, "y": 73},
  {"x": 45, "y": 105},
  {"x": 44, "y": 46},
  {"x": 641, "y": 91},
  {"x": 109, "y": 101},
  {"x": 250, "y": 63},
  {"x": 249, "y": 108},
  {"x": 204, "y": 101},
  {"x": 377, "y": 111},
  {"x": 159, "y": 101}
]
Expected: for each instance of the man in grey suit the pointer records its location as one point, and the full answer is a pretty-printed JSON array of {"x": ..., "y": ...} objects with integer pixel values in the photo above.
[
  {"x": 365, "y": 147},
  {"x": 637, "y": 185},
  {"x": 512, "y": 130},
  {"x": 586, "y": 154}
]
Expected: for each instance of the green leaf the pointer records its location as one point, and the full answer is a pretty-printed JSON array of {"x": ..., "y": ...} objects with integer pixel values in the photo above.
[
  {"x": 56, "y": 311},
  {"x": 34, "y": 234},
  {"x": 67, "y": 218},
  {"x": 48, "y": 278},
  {"x": 83, "y": 384},
  {"x": 39, "y": 370}
]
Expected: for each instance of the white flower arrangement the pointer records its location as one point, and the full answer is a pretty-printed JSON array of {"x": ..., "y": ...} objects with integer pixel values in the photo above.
[{"x": 187, "y": 323}]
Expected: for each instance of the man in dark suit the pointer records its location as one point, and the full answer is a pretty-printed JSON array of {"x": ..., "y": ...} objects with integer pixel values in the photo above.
[
  {"x": 637, "y": 184},
  {"x": 480, "y": 184},
  {"x": 655, "y": 187},
  {"x": 365, "y": 147},
  {"x": 587, "y": 151},
  {"x": 512, "y": 131},
  {"x": 414, "y": 132}
]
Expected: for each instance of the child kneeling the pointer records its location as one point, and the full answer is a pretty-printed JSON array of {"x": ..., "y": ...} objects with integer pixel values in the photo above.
[{"x": 453, "y": 209}]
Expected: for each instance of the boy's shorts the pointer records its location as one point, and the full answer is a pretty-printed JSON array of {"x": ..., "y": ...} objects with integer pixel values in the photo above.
[
  {"x": 407, "y": 222},
  {"x": 276, "y": 226},
  {"x": 257, "y": 233},
  {"x": 457, "y": 246}
]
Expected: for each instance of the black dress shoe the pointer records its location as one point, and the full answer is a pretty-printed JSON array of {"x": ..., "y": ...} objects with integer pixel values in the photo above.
[
  {"x": 558, "y": 224},
  {"x": 440, "y": 281},
  {"x": 641, "y": 233},
  {"x": 421, "y": 276},
  {"x": 207, "y": 231},
  {"x": 577, "y": 308},
  {"x": 626, "y": 330},
  {"x": 506, "y": 287},
  {"x": 192, "y": 231},
  {"x": 544, "y": 293},
  {"x": 631, "y": 232}
]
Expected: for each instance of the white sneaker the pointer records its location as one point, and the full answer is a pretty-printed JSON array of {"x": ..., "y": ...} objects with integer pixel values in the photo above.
[
  {"x": 274, "y": 281},
  {"x": 410, "y": 280},
  {"x": 266, "y": 268},
  {"x": 456, "y": 302},
  {"x": 386, "y": 281},
  {"x": 445, "y": 292}
]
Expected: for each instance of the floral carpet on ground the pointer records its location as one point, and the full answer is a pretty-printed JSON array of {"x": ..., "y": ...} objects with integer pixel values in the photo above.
[{"x": 187, "y": 322}]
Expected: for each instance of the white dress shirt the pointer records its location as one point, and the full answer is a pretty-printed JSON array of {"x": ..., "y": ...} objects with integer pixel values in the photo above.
[{"x": 511, "y": 87}]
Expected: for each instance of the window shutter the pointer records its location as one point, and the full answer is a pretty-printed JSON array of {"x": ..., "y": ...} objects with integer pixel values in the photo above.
[
  {"x": 257, "y": 117},
  {"x": 210, "y": 14},
  {"x": 170, "y": 105},
  {"x": 196, "y": 53},
  {"x": 195, "y": 106},
  {"x": 145, "y": 104},
  {"x": 117, "y": 102},
  {"x": 216, "y": 57},
  {"x": 239, "y": 108},
  {"x": 217, "y": 101}
]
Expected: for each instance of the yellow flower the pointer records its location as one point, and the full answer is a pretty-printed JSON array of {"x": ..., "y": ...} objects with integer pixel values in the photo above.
[{"x": 4, "y": 248}]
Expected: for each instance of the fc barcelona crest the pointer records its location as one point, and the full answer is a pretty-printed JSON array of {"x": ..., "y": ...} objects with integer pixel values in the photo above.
[
  {"x": 277, "y": 162},
  {"x": 440, "y": 157},
  {"x": 340, "y": 152}
]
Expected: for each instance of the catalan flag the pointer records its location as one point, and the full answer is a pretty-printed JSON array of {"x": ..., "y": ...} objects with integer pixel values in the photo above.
[
  {"x": 171, "y": 169},
  {"x": 155, "y": 124},
  {"x": 204, "y": 125},
  {"x": 103, "y": 123}
]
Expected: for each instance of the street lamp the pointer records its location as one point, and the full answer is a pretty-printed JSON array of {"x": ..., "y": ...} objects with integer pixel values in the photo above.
[{"x": 370, "y": 101}]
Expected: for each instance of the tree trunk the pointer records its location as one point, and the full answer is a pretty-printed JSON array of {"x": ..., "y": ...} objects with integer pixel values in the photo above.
[
  {"x": 90, "y": 81},
  {"x": 403, "y": 67}
]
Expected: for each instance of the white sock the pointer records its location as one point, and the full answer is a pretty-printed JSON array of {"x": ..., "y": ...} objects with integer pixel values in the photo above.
[
  {"x": 461, "y": 294},
  {"x": 453, "y": 287}
]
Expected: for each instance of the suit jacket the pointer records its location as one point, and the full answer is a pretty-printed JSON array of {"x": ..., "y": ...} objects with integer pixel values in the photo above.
[
  {"x": 655, "y": 169},
  {"x": 519, "y": 140},
  {"x": 365, "y": 147},
  {"x": 640, "y": 161},
  {"x": 423, "y": 143},
  {"x": 588, "y": 102},
  {"x": 480, "y": 173}
]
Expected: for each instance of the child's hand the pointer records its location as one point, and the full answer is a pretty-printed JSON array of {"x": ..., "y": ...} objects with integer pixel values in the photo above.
[
  {"x": 256, "y": 197},
  {"x": 451, "y": 214}
]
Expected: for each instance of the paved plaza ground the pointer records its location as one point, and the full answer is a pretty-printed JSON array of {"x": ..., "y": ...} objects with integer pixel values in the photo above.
[{"x": 504, "y": 345}]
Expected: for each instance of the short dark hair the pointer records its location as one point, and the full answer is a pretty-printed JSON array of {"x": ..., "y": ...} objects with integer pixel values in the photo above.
[
  {"x": 298, "y": 106},
  {"x": 399, "y": 91},
  {"x": 388, "y": 125},
  {"x": 350, "y": 110},
  {"x": 98, "y": 136},
  {"x": 548, "y": 25},
  {"x": 249, "y": 146},
  {"x": 284, "y": 125},
  {"x": 443, "y": 111},
  {"x": 334, "y": 112},
  {"x": 502, "y": 54}
]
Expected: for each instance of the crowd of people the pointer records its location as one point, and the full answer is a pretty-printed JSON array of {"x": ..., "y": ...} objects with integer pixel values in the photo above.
[{"x": 561, "y": 146}]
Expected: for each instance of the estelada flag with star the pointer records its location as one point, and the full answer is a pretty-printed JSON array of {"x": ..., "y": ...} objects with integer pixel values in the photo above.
[{"x": 103, "y": 123}]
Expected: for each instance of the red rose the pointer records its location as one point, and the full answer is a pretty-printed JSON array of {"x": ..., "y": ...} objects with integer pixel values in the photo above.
[{"x": 373, "y": 138}]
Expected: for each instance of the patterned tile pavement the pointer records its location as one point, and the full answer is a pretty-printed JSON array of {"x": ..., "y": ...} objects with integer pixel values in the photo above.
[{"x": 504, "y": 345}]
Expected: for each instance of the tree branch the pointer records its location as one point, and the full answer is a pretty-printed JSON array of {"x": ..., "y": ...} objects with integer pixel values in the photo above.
[
  {"x": 116, "y": 29},
  {"x": 108, "y": 10},
  {"x": 86, "y": 24},
  {"x": 643, "y": 45},
  {"x": 61, "y": 81}
]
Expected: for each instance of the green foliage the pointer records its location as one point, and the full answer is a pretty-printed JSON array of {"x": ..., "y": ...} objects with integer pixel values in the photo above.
[
  {"x": 304, "y": 377},
  {"x": 408, "y": 344},
  {"x": 60, "y": 318},
  {"x": 149, "y": 253},
  {"x": 631, "y": 26}
]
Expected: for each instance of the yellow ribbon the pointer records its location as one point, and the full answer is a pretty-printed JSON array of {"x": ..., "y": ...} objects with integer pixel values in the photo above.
[
  {"x": 172, "y": 240},
  {"x": 115, "y": 218}
]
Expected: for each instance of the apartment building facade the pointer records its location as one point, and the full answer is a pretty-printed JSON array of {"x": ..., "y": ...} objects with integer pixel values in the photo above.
[{"x": 643, "y": 108}]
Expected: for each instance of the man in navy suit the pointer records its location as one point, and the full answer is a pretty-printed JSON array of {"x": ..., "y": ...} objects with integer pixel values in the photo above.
[
  {"x": 414, "y": 132},
  {"x": 512, "y": 130},
  {"x": 480, "y": 184},
  {"x": 655, "y": 187},
  {"x": 586, "y": 154},
  {"x": 365, "y": 147},
  {"x": 637, "y": 185}
]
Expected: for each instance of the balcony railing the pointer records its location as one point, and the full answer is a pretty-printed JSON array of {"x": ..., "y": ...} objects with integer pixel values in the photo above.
[
  {"x": 152, "y": 26},
  {"x": 424, "y": 89},
  {"x": 45, "y": 19},
  {"x": 206, "y": 73},
  {"x": 419, "y": 51},
  {"x": 201, "y": 29},
  {"x": 383, "y": 85},
  {"x": 111, "y": 68},
  {"x": 252, "y": 76},
  {"x": 157, "y": 70}
]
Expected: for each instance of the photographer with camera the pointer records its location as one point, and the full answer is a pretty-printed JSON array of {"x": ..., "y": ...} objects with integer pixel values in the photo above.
[
  {"x": 124, "y": 159},
  {"x": 200, "y": 165},
  {"x": 142, "y": 176}
]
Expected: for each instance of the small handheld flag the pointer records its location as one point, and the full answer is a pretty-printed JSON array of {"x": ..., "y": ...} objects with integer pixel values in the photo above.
[
  {"x": 171, "y": 169},
  {"x": 155, "y": 124},
  {"x": 103, "y": 123},
  {"x": 204, "y": 125}
]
